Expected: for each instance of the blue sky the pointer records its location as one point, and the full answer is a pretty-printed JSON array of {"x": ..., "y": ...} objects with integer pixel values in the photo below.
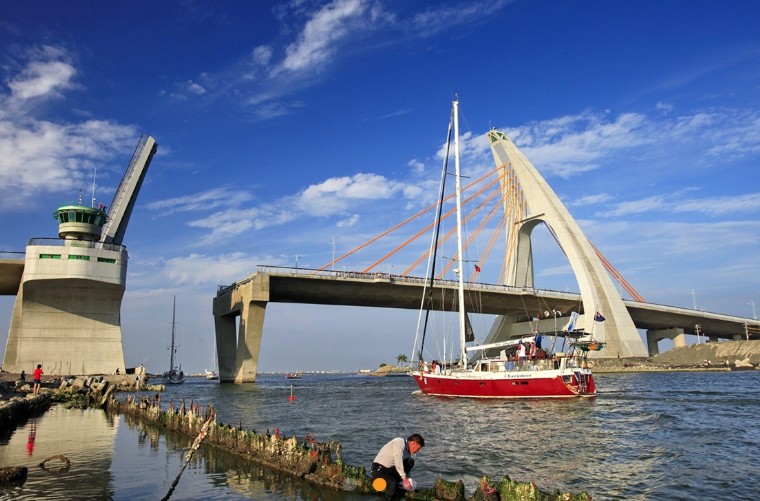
[{"x": 291, "y": 130}]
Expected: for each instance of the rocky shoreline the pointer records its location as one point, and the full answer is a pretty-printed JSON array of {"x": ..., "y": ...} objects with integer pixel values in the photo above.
[{"x": 725, "y": 356}]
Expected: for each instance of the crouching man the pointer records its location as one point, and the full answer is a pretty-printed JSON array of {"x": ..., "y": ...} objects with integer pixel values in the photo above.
[{"x": 392, "y": 465}]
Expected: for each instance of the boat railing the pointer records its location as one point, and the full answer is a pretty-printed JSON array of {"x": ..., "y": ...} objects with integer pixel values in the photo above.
[{"x": 529, "y": 364}]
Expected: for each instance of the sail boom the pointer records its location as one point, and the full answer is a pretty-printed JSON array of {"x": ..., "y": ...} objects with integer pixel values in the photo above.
[{"x": 501, "y": 344}]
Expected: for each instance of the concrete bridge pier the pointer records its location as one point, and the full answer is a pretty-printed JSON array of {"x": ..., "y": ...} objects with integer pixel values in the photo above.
[
  {"x": 654, "y": 336},
  {"x": 238, "y": 347}
]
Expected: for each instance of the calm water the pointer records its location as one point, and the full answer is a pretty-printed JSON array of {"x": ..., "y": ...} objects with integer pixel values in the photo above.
[{"x": 646, "y": 436}]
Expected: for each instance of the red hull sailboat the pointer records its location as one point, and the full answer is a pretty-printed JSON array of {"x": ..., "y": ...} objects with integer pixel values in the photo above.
[{"x": 522, "y": 368}]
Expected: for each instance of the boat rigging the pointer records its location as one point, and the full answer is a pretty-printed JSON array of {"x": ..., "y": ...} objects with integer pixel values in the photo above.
[{"x": 524, "y": 367}]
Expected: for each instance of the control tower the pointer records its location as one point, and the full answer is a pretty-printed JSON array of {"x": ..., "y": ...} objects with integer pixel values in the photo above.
[{"x": 67, "y": 314}]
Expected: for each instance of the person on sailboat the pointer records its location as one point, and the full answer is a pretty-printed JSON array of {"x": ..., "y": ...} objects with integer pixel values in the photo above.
[
  {"x": 436, "y": 367},
  {"x": 521, "y": 355},
  {"x": 393, "y": 464}
]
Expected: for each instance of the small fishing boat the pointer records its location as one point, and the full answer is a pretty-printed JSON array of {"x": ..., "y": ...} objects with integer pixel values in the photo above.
[
  {"x": 174, "y": 375},
  {"x": 517, "y": 368},
  {"x": 294, "y": 375}
]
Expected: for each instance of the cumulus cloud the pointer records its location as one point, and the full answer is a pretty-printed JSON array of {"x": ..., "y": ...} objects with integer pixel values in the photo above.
[
  {"x": 48, "y": 72},
  {"x": 333, "y": 195},
  {"x": 56, "y": 157}
]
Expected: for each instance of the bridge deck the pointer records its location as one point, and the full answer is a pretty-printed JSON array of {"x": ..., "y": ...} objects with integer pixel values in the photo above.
[
  {"x": 10, "y": 276},
  {"x": 381, "y": 290}
]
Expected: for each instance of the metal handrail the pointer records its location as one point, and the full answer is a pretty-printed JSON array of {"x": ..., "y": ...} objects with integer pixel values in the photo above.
[{"x": 77, "y": 243}]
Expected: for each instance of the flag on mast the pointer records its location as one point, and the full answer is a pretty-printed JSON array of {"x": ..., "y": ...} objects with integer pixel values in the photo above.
[{"x": 598, "y": 317}]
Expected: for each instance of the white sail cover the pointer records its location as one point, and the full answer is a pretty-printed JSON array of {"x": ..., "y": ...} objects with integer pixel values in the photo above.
[{"x": 570, "y": 326}]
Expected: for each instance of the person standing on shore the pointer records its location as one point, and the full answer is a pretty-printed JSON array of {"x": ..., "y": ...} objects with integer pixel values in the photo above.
[
  {"x": 393, "y": 464},
  {"x": 37, "y": 376}
]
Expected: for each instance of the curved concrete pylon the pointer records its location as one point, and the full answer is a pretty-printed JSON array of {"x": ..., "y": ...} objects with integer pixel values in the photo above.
[{"x": 596, "y": 287}]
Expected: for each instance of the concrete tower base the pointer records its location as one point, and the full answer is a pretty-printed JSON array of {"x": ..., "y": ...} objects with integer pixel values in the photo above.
[{"x": 67, "y": 311}]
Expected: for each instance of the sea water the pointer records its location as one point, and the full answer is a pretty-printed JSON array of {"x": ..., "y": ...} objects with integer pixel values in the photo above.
[{"x": 645, "y": 436}]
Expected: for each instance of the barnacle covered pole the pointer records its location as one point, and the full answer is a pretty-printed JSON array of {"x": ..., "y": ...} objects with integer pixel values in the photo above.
[{"x": 196, "y": 444}]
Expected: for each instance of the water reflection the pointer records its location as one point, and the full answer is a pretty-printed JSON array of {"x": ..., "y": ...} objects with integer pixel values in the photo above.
[
  {"x": 32, "y": 436},
  {"x": 117, "y": 457},
  {"x": 213, "y": 473},
  {"x": 85, "y": 438}
]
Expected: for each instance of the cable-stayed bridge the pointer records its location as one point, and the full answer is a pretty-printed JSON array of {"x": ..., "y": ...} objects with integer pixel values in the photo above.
[{"x": 505, "y": 205}]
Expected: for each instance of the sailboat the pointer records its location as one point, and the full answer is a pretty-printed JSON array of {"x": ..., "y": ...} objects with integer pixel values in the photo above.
[
  {"x": 523, "y": 368},
  {"x": 174, "y": 375}
]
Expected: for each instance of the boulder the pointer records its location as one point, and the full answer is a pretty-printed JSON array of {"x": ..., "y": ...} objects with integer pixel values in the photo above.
[{"x": 743, "y": 363}]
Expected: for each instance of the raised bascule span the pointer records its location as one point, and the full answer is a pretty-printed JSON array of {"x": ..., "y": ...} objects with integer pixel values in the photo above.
[{"x": 67, "y": 313}]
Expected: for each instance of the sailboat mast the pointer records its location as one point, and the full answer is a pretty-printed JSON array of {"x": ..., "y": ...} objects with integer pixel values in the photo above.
[
  {"x": 460, "y": 273},
  {"x": 171, "y": 356}
]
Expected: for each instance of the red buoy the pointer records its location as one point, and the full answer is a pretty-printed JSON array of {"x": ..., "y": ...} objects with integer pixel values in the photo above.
[{"x": 292, "y": 397}]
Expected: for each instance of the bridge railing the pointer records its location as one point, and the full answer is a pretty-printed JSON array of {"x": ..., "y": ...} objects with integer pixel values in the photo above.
[
  {"x": 376, "y": 277},
  {"x": 420, "y": 281},
  {"x": 12, "y": 254},
  {"x": 692, "y": 311}
]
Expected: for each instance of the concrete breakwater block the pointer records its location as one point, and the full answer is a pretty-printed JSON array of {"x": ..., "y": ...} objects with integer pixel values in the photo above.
[{"x": 18, "y": 409}]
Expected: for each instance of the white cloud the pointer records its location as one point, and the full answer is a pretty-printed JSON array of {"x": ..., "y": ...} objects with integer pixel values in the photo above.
[
  {"x": 333, "y": 195},
  {"x": 195, "y": 88},
  {"x": 648, "y": 204},
  {"x": 225, "y": 224},
  {"x": 572, "y": 144},
  {"x": 591, "y": 199},
  {"x": 677, "y": 203},
  {"x": 564, "y": 146},
  {"x": 261, "y": 55},
  {"x": 318, "y": 42},
  {"x": 441, "y": 17},
  {"x": 200, "y": 269},
  {"x": 48, "y": 72},
  {"x": 274, "y": 109},
  {"x": 204, "y": 201},
  {"x": 349, "y": 221},
  {"x": 56, "y": 157}
]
